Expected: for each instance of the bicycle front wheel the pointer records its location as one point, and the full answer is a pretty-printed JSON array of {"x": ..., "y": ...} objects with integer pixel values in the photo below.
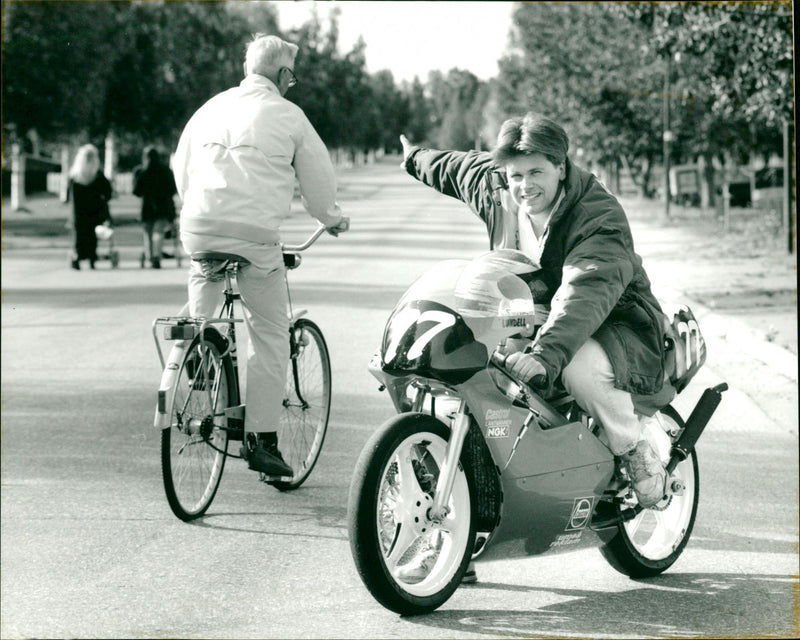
[
  {"x": 306, "y": 403},
  {"x": 194, "y": 447}
]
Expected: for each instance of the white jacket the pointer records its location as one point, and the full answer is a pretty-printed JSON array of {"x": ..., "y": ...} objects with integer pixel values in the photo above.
[{"x": 236, "y": 163}]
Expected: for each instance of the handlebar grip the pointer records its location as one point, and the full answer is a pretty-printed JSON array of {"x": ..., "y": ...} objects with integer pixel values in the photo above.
[
  {"x": 498, "y": 359},
  {"x": 539, "y": 381}
]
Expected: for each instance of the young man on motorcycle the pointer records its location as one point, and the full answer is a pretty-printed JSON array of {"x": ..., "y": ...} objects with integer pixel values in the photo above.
[{"x": 604, "y": 338}]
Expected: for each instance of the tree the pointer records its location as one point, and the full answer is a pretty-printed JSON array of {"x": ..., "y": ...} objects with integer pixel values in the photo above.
[
  {"x": 736, "y": 58},
  {"x": 420, "y": 116},
  {"x": 55, "y": 64},
  {"x": 457, "y": 100},
  {"x": 392, "y": 110},
  {"x": 136, "y": 69},
  {"x": 139, "y": 70}
]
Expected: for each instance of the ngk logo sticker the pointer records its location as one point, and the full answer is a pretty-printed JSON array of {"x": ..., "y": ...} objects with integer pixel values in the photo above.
[
  {"x": 581, "y": 512},
  {"x": 498, "y": 423}
]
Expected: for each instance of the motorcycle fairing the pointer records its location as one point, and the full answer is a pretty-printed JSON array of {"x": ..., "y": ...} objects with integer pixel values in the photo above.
[
  {"x": 453, "y": 316},
  {"x": 551, "y": 468},
  {"x": 430, "y": 340}
]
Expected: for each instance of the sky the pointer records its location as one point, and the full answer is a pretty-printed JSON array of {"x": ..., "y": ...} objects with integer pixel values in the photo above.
[{"x": 413, "y": 38}]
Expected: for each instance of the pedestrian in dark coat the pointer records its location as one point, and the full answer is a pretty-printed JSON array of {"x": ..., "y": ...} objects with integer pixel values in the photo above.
[
  {"x": 154, "y": 183},
  {"x": 90, "y": 192},
  {"x": 604, "y": 338}
]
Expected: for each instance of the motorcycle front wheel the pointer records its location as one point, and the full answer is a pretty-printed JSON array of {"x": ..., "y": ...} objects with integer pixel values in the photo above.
[
  {"x": 651, "y": 542},
  {"x": 410, "y": 564}
]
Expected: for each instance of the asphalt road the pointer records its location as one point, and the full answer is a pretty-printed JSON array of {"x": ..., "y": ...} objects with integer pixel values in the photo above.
[{"x": 91, "y": 549}]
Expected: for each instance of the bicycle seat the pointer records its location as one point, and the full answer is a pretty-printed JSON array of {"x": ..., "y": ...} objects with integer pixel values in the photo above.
[{"x": 220, "y": 256}]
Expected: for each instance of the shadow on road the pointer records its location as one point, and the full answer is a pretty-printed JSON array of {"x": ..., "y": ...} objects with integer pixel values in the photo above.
[
  {"x": 682, "y": 605},
  {"x": 325, "y": 516}
]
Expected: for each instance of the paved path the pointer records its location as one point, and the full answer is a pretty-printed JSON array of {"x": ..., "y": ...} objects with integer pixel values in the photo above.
[{"x": 90, "y": 549}]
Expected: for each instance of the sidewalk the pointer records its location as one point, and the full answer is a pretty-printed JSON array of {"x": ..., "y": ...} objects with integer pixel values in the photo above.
[{"x": 742, "y": 285}]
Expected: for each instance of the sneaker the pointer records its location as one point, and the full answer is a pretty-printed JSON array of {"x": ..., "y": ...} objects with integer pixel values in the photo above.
[
  {"x": 419, "y": 568},
  {"x": 647, "y": 474},
  {"x": 470, "y": 576},
  {"x": 265, "y": 458}
]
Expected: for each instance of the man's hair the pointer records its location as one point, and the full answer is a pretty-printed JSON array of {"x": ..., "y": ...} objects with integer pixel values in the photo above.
[
  {"x": 266, "y": 54},
  {"x": 528, "y": 135}
]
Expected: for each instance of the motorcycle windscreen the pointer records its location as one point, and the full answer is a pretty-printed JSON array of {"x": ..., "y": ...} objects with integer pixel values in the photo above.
[{"x": 452, "y": 318}]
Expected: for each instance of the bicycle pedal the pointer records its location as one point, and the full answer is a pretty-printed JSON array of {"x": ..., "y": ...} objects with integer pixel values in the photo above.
[{"x": 268, "y": 479}]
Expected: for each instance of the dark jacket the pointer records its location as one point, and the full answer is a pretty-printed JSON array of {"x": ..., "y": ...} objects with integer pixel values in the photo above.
[
  {"x": 155, "y": 185},
  {"x": 90, "y": 201},
  {"x": 599, "y": 287}
]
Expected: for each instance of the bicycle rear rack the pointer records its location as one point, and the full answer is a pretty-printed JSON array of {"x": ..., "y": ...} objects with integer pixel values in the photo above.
[{"x": 185, "y": 328}]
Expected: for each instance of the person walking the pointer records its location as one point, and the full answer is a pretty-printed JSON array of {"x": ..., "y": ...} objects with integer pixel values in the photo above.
[
  {"x": 235, "y": 169},
  {"x": 90, "y": 192},
  {"x": 154, "y": 183}
]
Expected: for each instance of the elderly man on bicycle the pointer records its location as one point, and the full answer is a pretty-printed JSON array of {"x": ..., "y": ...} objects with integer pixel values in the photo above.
[{"x": 235, "y": 169}]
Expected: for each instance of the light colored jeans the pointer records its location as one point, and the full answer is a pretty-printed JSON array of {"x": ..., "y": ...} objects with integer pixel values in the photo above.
[
  {"x": 589, "y": 378},
  {"x": 264, "y": 302}
]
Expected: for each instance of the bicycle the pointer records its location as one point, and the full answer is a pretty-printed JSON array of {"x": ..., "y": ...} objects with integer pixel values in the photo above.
[{"x": 199, "y": 410}]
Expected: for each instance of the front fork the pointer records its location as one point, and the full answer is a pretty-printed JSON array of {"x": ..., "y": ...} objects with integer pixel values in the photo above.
[{"x": 447, "y": 474}]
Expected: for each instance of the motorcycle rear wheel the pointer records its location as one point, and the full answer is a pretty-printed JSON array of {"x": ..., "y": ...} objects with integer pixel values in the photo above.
[
  {"x": 651, "y": 542},
  {"x": 389, "y": 532}
]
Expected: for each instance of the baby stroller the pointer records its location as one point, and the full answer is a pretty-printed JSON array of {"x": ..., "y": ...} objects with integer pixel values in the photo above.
[{"x": 105, "y": 244}]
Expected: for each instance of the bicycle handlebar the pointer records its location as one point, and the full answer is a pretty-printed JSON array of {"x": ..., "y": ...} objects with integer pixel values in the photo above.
[{"x": 297, "y": 248}]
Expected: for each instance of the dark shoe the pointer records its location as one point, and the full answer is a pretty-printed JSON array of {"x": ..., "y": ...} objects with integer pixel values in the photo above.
[
  {"x": 91, "y": 264},
  {"x": 75, "y": 265},
  {"x": 155, "y": 263},
  {"x": 265, "y": 458}
]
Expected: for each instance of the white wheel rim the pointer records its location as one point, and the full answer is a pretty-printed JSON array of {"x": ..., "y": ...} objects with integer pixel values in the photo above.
[
  {"x": 403, "y": 529},
  {"x": 656, "y": 534}
]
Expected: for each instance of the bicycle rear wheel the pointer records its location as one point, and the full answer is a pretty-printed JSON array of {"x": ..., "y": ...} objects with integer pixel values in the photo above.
[
  {"x": 306, "y": 403},
  {"x": 194, "y": 447}
]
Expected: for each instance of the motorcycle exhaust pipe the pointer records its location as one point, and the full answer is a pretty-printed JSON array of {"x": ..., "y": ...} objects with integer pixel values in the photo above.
[{"x": 701, "y": 414}]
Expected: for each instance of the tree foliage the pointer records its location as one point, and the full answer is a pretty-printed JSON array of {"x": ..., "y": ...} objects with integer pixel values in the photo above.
[
  {"x": 607, "y": 71},
  {"x": 139, "y": 69}
]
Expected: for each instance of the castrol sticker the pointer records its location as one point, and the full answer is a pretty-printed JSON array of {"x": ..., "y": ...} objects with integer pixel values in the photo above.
[
  {"x": 498, "y": 423},
  {"x": 581, "y": 512}
]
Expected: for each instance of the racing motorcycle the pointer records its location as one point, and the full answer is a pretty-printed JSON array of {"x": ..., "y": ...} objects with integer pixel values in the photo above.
[{"x": 477, "y": 465}]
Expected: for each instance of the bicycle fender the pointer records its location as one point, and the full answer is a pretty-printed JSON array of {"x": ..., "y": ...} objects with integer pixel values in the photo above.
[{"x": 166, "y": 390}]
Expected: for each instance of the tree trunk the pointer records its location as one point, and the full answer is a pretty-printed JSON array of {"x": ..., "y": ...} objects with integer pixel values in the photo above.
[{"x": 707, "y": 178}]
